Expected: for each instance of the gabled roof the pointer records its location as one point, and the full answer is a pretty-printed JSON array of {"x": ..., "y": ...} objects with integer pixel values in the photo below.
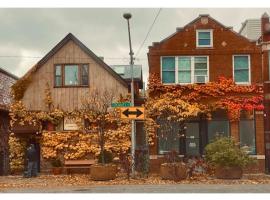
[
  {"x": 125, "y": 72},
  {"x": 196, "y": 19},
  {"x": 8, "y": 74},
  {"x": 63, "y": 42}
]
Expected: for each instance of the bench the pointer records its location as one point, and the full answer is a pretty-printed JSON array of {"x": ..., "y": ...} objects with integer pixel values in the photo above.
[{"x": 78, "y": 166}]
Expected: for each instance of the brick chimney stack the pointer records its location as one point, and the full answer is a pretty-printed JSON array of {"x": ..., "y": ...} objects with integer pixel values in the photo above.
[{"x": 265, "y": 27}]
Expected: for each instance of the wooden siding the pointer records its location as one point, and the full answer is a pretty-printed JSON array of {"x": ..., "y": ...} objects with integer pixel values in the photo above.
[{"x": 68, "y": 98}]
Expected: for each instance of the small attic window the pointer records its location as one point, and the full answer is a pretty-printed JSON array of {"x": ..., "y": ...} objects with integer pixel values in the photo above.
[
  {"x": 204, "y": 38},
  {"x": 120, "y": 70}
]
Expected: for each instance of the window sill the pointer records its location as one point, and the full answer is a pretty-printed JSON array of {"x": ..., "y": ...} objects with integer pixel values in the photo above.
[
  {"x": 72, "y": 86},
  {"x": 204, "y": 47}
]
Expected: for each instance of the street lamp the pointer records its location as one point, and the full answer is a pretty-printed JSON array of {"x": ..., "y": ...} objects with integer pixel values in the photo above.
[{"x": 127, "y": 16}]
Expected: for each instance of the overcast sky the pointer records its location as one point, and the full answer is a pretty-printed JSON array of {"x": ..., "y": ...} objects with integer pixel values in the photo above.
[{"x": 28, "y": 33}]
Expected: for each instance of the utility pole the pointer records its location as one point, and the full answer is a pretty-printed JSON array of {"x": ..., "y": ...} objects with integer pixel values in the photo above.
[{"x": 127, "y": 16}]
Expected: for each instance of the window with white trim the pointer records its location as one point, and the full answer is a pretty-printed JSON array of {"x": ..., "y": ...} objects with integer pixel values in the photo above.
[
  {"x": 204, "y": 38},
  {"x": 185, "y": 69},
  {"x": 241, "y": 69}
]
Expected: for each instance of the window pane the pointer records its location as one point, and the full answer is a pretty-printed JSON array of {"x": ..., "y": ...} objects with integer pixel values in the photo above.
[
  {"x": 58, "y": 70},
  {"x": 168, "y": 64},
  {"x": 168, "y": 139},
  {"x": 216, "y": 128},
  {"x": 71, "y": 75},
  {"x": 168, "y": 77},
  {"x": 200, "y": 66},
  {"x": 192, "y": 139},
  {"x": 58, "y": 81},
  {"x": 240, "y": 62},
  {"x": 247, "y": 135},
  {"x": 200, "y": 59},
  {"x": 204, "y": 35},
  {"x": 85, "y": 74},
  {"x": 184, "y": 63},
  {"x": 184, "y": 77},
  {"x": 241, "y": 76},
  {"x": 205, "y": 42},
  {"x": 201, "y": 72}
]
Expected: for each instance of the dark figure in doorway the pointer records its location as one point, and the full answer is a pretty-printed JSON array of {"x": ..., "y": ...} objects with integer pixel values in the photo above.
[{"x": 31, "y": 156}]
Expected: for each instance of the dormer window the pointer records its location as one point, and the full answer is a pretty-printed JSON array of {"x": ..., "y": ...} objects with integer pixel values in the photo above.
[{"x": 204, "y": 38}]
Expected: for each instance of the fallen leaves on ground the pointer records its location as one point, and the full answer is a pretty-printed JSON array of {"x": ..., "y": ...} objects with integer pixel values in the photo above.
[{"x": 50, "y": 181}]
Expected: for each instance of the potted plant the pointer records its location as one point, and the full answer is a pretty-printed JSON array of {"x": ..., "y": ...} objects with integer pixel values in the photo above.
[
  {"x": 173, "y": 168},
  {"x": 104, "y": 170},
  {"x": 227, "y": 158},
  {"x": 56, "y": 166},
  {"x": 102, "y": 118}
]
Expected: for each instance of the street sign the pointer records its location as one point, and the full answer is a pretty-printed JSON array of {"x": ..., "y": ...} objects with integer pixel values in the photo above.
[
  {"x": 132, "y": 113},
  {"x": 121, "y": 104}
]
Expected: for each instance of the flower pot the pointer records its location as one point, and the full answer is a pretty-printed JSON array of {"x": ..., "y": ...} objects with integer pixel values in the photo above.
[
  {"x": 105, "y": 172},
  {"x": 50, "y": 126},
  {"x": 56, "y": 170},
  {"x": 173, "y": 171},
  {"x": 223, "y": 172}
]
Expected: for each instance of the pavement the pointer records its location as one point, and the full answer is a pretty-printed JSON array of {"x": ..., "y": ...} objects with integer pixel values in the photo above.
[{"x": 169, "y": 188}]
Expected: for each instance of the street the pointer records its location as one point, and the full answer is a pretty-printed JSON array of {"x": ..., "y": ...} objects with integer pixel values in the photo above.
[{"x": 170, "y": 188}]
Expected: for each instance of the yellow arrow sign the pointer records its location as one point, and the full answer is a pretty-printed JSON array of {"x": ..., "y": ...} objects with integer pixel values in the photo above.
[{"x": 132, "y": 112}]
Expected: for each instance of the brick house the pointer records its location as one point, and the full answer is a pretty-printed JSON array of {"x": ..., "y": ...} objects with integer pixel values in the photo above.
[
  {"x": 6, "y": 80},
  {"x": 200, "y": 52}
]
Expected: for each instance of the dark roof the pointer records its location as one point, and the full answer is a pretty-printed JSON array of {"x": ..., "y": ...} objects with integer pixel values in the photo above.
[
  {"x": 8, "y": 74},
  {"x": 64, "y": 41},
  {"x": 125, "y": 72}
]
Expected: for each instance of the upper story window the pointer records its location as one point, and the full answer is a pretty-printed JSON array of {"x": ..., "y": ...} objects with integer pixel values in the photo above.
[
  {"x": 241, "y": 69},
  {"x": 71, "y": 75},
  {"x": 204, "y": 38},
  {"x": 185, "y": 69}
]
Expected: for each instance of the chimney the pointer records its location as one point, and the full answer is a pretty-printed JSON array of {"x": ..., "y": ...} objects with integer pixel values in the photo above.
[{"x": 265, "y": 27}]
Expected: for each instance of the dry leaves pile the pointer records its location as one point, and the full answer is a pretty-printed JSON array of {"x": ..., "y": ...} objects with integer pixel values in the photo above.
[{"x": 50, "y": 181}]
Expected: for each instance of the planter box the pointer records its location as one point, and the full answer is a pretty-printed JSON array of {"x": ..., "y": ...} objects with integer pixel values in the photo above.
[
  {"x": 105, "y": 172},
  {"x": 57, "y": 170},
  {"x": 173, "y": 171},
  {"x": 229, "y": 172}
]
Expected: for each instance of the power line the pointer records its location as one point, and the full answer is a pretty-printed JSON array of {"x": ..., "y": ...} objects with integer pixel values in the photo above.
[{"x": 150, "y": 28}]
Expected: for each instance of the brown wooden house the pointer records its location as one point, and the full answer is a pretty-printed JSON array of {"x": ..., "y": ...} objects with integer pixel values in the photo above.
[{"x": 70, "y": 69}]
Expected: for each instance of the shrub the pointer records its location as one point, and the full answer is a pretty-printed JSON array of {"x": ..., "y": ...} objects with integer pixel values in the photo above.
[
  {"x": 225, "y": 152},
  {"x": 108, "y": 157},
  {"x": 56, "y": 163},
  {"x": 172, "y": 157}
]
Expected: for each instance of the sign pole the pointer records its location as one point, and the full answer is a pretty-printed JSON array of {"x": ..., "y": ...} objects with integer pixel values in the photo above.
[{"x": 127, "y": 16}]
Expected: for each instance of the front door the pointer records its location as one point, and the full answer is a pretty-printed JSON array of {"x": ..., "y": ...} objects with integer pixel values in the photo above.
[{"x": 193, "y": 139}]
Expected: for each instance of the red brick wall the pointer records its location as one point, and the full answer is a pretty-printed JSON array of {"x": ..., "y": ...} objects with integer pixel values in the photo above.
[{"x": 220, "y": 55}]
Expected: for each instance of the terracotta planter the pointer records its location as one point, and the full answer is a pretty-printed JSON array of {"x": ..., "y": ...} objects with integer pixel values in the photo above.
[
  {"x": 56, "y": 170},
  {"x": 105, "y": 172},
  {"x": 229, "y": 172},
  {"x": 173, "y": 171},
  {"x": 50, "y": 126}
]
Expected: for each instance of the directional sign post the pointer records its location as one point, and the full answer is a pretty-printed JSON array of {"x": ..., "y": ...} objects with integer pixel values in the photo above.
[{"x": 132, "y": 113}]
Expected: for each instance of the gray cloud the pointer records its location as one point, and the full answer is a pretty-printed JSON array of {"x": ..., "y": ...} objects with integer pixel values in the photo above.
[{"x": 33, "y": 32}]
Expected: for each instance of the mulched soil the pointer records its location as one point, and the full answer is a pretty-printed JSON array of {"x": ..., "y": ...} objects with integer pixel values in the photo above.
[{"x": 50, "y": 181}]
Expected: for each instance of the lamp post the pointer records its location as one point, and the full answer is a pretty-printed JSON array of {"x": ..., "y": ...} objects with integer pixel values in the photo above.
[{"x": 127, "y": 16}]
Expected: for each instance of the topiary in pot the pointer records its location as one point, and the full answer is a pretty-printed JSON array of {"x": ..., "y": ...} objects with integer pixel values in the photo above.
[
  {"x": 56, "y": 166},
  {"x": 227, "y": 158},
  {"x": 104, "y": 170}
]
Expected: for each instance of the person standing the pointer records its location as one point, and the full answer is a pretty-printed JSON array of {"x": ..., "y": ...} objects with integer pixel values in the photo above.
[{"x": 31, "y": 156}]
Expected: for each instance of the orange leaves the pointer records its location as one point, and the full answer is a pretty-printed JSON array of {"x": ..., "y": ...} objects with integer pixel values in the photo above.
[{"x": 223, "y": 93}]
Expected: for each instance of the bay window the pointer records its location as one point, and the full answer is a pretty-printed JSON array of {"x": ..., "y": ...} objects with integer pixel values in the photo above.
[{"x": 241, "y": 69}]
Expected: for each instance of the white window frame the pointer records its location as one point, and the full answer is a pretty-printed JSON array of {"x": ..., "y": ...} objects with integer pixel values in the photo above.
[
  {"x": 197, "y": 37},
  {"x": 192, "y": 69},
  {"x": 249, "y": 69}
]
